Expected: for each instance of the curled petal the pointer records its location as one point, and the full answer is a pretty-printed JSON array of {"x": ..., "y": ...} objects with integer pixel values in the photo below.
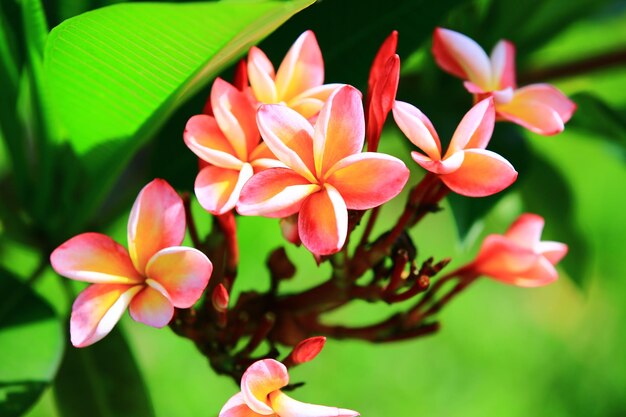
[
  {"x": 275, "y": 192},
  {"x": 97, "y": 309},
  {"x": 310, "y": 102},
  {"x": 503, "y": 65},
  {"x": 385, "y": 52},
  {"x": 446, "y": 166},
  {"x": 368, "y": 179},
  {"x": 526, "y": 230},
  {"x": 285, "y": 406},
  {"x": 218, "y": 189},
  {"x": 204, "y": 137},
  {"x": 261, "y": 75},
  {"x": 502, "y": 258},
  {"x": 96, "y": 258},
  {"x": 475, "y": 129},
  {"x": 552, "y": 251},
  {"x": 548, "y": 95},
  {"x": 302, "y": 68},
  {"x": 289, "y": 136},
  {"x": 152, "y": 306},
  {"x": 259, "y": 380},
  {"x": 339, "y": 129},
  {"x": 416, "y": 126},
  {"x": 482, "y": 173},
  {"x": 323, "y": 221},
  {"x": 237, "y": 407},
  {"x": 381, "y": 100},
  {"x": 157, "y": 221},
  {"x": 462, "y": 57},
  {"x": 183, "y": 272}
]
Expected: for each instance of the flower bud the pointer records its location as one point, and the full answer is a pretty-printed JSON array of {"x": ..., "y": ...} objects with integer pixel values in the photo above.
[
  {"x": 307, "y": 349},
  {"x": 220, "y": 298}
]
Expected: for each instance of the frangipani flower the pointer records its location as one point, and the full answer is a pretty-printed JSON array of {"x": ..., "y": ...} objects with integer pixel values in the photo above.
[
  {"x": 519, "y": 257},
  {"x": 155, "y": 277},
  {"x": 467, "y": 168},
  {"x": 261, "y": 396},
  {"x": 230, "y": 143},
  {"x": 298, "y": 83},
  {"x": 327, "y": 174},
  {"x": 540, "y": 108}
]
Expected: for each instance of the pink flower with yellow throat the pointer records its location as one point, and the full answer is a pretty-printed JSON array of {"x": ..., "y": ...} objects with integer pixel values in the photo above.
[
  {"x": 326, "y": 173},
  {"x": 152, "y": 278},
  {"x": 540, "y": 108}
]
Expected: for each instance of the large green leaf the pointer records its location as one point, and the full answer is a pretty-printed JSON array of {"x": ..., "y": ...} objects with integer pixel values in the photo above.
[
  {"x": 31, "y": 344},
  {"x": 102, "y": 380}
]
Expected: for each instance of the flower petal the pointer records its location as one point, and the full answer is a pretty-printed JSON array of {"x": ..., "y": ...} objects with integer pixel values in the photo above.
[
  {"x": 526, "y": 230},
  {"x": 416, "y": 126},
  {"x": 339, "y": 129},
  {"x": 261, "y": 74},
  {"x": 183, "y": 272},
  {"x": 204, "y": 137},
  {"x": 462, "y": 57},
  {"x": 275, "y": 192},
  {"x": 236, "y": 117},
  {"x": 385, "y": 52},
  {"x": 541, "y": 273},
  {"x": 475, "y": 129},
  {"x": 97, "y": 309},
  {"x": 218, "y": 189},
  {"x": 445, "y": 166},
  {"x": 482, "y": 173},
  {"x": 503, "y": 259},
  {"x": 152, "y": 306},
  {"x": 285, "y": 406},
  {"x": 323, "y": 221},
  {"x": 289, "y": 136},
  {"x": 302, "y": 68},
  {"x": 96, "y": 258},
  {"x": 368, "y": 179},
  {"x": 157, "y": 220},
  {"x": 503, "y": 65},
  {"x": 552, "y": 251},
  {"x": 381, "y": 100},
  {"x": 259, "y": 380},
  {"x": 237, "y": 407},
  {"x": 548, "y": 95}
]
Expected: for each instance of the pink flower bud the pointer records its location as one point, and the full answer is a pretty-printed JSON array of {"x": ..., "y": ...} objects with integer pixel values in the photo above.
[
  {"x": 220, "y": 298},
  {"x": 307, "y": 349}
]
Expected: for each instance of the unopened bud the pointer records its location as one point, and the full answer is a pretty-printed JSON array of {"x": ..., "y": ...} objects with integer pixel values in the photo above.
[
  {"x": 289, "y": 228},
  {"x": 220, "y": 298},
  {"x": 307, "y": 349}
]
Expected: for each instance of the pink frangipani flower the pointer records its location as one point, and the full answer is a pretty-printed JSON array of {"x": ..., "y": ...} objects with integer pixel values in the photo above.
[
  {"x": 152, "y": 278},
  {"x": 261, "y": 396},
  {"x": 540, "y": 108},
  {"x": 327, "y": 174},
  {"x": 298, "y": 83},
  {"x": 467, "y": 168},
  {"x": 230, "y": 143},
  {"x": 519, "y": 257}
]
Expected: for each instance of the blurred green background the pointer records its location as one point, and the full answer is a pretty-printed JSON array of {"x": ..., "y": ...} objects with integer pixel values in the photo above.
[{"x": 551, "y": 351}]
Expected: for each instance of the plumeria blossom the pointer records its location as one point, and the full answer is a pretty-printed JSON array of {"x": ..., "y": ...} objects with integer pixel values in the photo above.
[
  {"x": 261, "y": 396},
  {"x": 467, "y": 168},
  {"x": 230, "y": 143},
  {"x": 151, "y": 278},
  {"x": 299, "y": 81},
  {"x": 326, "y": 172},
  {"x": 519, "y": 257},
  {"x": 540, "y": 108}
]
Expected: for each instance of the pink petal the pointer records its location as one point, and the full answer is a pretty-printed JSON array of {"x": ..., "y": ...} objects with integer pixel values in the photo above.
[
  {"x": 259, "y": 380},
  {"x": 323, "y": 221},
  {"x": 93, "y": 257},
  {"x": 261, "y": 74},
  {"x": 526, "y": 230},
  {"x": 462, "y": 57},
  {"x": 289, "y": 136},
  {"x": 236, "y": 117},
  {"x": 218, "y": 189},
  {"x": 446, "y": 166},
  {"x": 310, "y": 102},
  {"x": 548, "y": 95},
  {"x": 97, "y": 309},
  {"x": 204, "y": 137},
  {"x": 152, "y": 306},
  {"x": 307, "y": 349},
  {"x": 302, "y": 68},
  {"x": 339, "y": 129},
  {"x": 552, "y": 251},
  {"x": 275, "y": 192},
  {"x": 237, "y": 407},
  {"x": 475, "y": 129},
  {"x": 285, "y": 406},
  {"x": 416, "y": 126},
  {"x": 482, "y": 173},
  {"x": 183, "y": 272},
  {"x": 540, "y": 274},
  {"x": 503, "y": 259},
  {"x": 157, "y": 221},
  {"x": 503, "y": 65},
  {"x": 368, "y": 179}
]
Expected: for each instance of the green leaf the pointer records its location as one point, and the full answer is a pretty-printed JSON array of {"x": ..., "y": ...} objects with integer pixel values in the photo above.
[
  {"x": 102, "y": 380},
  {"x": 31, "y": 345}
]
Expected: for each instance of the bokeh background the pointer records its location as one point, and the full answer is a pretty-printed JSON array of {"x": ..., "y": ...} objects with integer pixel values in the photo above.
[{"x": 502, "y": 351}]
